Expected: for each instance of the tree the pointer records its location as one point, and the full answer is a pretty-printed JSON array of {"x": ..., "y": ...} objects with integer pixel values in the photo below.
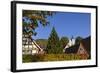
[
  {"x": 31, "y": 20},
  {"x": 78, "y": 39},
  {"x": 53, "y": 46},
  {"x": 63, "y": 42}
]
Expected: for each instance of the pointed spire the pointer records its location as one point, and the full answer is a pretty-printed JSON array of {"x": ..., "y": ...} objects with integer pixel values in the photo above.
[{"x": 72, "y": 37}]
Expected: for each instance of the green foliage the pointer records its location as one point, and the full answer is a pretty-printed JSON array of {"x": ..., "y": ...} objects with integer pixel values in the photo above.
[
  {"x": 64, "y": 41},
  {"x": 35, "y": 17},
  {"x": 38, "y": 57},
  {"x": 78, "y": 39},
  {"x": 27, "y": 58},
  {"x": 33, "y": 58},
  {"x": 53, "y": 46}
]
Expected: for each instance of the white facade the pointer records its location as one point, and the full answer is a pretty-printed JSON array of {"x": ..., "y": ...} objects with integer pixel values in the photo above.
[
  {"x": 30, "y": 46},
  {"x": 71, "y": 43},
  {"x": 31, "y": 49}
]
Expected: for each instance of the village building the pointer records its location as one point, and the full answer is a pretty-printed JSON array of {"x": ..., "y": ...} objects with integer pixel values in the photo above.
[
  {"x": 83, "y": 48},
  {"x": 30, "y": 47},
  {"x": 70, "y": 43}
]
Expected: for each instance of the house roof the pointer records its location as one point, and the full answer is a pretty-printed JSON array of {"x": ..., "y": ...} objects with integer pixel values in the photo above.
[
  {"x": 31, "y": 41},
  {"x": 72, "y": 49},
  {"x": 86, "y": 44},
  {"x": 37, "y": 46}
]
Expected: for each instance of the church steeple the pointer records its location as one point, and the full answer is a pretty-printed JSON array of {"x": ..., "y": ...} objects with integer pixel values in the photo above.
[
  {"x": 72, "y": 38},
  {"x": 71, "y": 43}
]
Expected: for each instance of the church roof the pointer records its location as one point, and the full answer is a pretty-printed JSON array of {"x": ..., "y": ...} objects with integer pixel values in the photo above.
[{"x": 72, "y": 49}]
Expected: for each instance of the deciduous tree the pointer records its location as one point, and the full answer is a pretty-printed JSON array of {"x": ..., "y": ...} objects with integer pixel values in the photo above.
[
  {"x": 64, "y": 41},
  {"x": 78, "y": 39},
  {"x": 32, "y": 19}
]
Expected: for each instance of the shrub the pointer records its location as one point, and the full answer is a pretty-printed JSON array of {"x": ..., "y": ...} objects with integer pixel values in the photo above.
[
  {"x": 27, "y": 58},
  {"x": 33, "y": 58}
]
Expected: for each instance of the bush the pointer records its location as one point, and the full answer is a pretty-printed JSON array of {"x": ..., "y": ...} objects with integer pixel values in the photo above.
[
  {"x": 38, "y": 57},
  {"x": 32, "y": 58},
  {"x": 27, "y": 58}
]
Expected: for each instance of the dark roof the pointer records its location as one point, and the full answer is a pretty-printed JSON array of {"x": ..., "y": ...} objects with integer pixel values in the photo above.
[
  {"x": 72, "y": 49},
  {"x": 87, "y": 44}
]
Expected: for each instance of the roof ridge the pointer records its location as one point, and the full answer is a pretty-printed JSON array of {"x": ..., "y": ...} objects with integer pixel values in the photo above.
[{"x": 37, "y": 44}]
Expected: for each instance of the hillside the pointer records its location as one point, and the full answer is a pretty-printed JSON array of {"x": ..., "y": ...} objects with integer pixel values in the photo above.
[{"x": 42, "y": 43}]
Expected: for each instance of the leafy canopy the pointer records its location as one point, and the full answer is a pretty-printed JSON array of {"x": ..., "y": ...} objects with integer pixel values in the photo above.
[
  {"x": 78, "y": 39},
  {"x": 64, "y": 41},
  {"x": 32, "y": 18}
]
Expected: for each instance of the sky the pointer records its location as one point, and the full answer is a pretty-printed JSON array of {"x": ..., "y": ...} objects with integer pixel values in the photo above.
[{"x": 66, "y": 24}]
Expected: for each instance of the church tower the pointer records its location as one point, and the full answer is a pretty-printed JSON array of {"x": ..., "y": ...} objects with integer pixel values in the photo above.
[{"x": 72, "y": 41}]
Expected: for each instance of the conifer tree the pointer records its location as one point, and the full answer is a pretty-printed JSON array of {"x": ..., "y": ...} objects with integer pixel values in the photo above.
[{"x": 53, "y": 46}]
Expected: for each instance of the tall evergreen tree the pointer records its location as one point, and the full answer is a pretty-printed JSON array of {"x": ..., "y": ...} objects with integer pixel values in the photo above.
[{"x": 53, "y": 46}]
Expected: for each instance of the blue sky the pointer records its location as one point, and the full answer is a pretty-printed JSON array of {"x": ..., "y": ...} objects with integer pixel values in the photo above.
[{"x": 66, "y": 24}]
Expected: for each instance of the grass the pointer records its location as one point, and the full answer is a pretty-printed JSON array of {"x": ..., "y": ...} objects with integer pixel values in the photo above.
[{"x": 50, "y": 57}]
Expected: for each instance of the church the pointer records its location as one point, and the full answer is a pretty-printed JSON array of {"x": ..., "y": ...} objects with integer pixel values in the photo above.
[
  {"x": 83, "y": 48},
  {"x": 70, "y": 43}
]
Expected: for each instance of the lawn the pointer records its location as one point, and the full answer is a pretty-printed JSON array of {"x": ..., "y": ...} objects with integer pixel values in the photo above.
[{"x": 50, "y": 57}]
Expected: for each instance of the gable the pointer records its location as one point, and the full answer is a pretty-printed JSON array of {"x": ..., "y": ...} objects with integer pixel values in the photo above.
[
  {"x": 86, "y": 43},
  {"x": 81, "y": 50}
]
